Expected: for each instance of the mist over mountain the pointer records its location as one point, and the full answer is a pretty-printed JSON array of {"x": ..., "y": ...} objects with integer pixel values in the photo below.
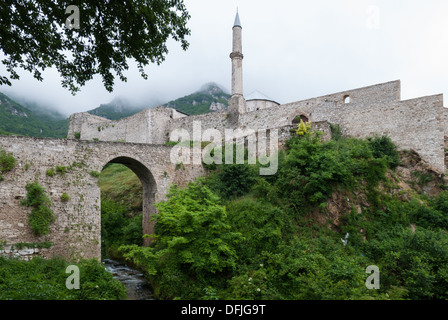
[
  {"x": 120, "y": 108},
  {"x": 20, "y": 116},
  {"x": 16, "y": 119}
]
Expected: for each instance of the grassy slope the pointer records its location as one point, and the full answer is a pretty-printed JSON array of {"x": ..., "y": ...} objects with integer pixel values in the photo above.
[{"x": 121, "y": 185}]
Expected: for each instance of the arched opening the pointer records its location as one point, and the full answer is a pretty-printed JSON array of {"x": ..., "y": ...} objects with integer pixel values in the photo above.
[
  {"x": 297, "y": 119},
  {"x": 128, "y": 192}
]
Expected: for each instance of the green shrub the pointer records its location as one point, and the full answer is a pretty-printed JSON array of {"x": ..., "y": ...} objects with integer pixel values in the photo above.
[
  {"x": 431, "y": 217},
  {"x": 194, "y": 243},
  {"x": 303, "y": 128},
  {"x": 260, "y": 240},
  {"x": 7, "y": 162},
  {"x": 61, "y": 170},
  {"x": 235, "y": 180},
  {"x": 263, "y": 226},
  {"x": 77, "y": 135},
  {"x": 422, "y": 178},
  {"x": 336, "y": 132},
  {"x": 65, "y": 197},
  {"x": 41, "y": 215},
  {"x": 44, "y": 279},
  {"x": 118, "y": 227},
  {"x": 50, "y": 172},
  {"x": 383, "y": 147},
  {"x": 95, "y": 174}
]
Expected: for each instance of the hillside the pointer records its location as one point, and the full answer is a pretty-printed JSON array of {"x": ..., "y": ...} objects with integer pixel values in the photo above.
[
  {"x": 29, "y": 119},
  {"x": 119, "y": 108},
  {"x": 211, "y": 97},
  {"x": 309, "y": 232},
  {"x": 19, "y": 120}
]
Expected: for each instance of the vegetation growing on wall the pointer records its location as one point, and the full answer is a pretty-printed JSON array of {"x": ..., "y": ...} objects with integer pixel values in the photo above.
[
  {"x": 41, "y": 215},
  {"x": 7, "y": 162},
  {"x": 65, "y": 197}
]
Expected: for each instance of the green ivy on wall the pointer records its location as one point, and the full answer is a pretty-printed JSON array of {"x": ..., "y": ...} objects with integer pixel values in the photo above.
[
  {"x": 7, "y": 162},
  {"x": 41, "y": 215}
]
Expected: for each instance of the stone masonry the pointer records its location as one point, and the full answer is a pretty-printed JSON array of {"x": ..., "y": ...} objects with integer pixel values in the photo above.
[
  {"x": 138, "y": 142},
  {"x": 76, "y": 233}
]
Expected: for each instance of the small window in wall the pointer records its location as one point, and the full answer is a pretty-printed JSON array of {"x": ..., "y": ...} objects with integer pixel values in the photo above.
[{"x": 346, "y": 99}]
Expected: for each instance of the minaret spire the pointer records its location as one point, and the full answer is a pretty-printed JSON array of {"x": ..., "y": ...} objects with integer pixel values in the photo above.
[
  {"x": 237, "y": 19},
  {"x": 237, "y": 104}
]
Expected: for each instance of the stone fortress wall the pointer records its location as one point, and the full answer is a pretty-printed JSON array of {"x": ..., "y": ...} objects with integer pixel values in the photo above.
[
  {"x": 138, "y": 142},
  {"x": 76, "y": 232},
  {"x": 419, "y": 124}
]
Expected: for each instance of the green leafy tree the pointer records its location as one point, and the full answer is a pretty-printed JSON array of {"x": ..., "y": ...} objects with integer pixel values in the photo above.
[
  {"x": 118, "y": 227},
  {"x": 383, "y": 147},
  {"x": 193, "y": 242},
  {"x": 34, "y": 36}
]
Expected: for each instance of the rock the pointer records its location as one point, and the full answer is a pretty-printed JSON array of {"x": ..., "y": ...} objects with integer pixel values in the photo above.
[
  {"x": 25, "y": 252},
  {"x": 217, "y": 106}
]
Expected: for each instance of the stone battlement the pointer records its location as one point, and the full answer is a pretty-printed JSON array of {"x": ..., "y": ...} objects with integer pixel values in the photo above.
[{"x": 419, "y": 124}]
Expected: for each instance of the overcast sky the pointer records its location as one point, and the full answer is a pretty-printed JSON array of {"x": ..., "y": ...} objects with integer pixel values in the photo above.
[{"x": 293, "y": 50}]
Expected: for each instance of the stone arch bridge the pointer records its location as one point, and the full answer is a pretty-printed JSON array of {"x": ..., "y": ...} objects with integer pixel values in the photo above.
[{"x": 76, "y": 232}]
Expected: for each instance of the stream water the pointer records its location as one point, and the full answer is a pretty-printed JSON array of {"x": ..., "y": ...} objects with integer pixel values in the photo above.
[{"x": 134, "y": 280}]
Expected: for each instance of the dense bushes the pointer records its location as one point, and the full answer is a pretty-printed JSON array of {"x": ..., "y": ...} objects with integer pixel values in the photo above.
[
  {"x": 121, "y": 208},
  {"x": 119, "y": 226},
  {"x": 237, "y": 235},
  {"x": 194, "y": 245},
  {"x": 383, "y": 147},
  {"x": 45, "y": 279}
]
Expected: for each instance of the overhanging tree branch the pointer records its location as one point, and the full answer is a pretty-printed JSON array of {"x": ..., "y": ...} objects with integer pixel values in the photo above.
[{"x": 33, "y": 37}]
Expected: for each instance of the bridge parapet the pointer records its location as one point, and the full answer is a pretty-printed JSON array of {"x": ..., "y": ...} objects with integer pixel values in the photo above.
[{"x": 76, "y": 232}]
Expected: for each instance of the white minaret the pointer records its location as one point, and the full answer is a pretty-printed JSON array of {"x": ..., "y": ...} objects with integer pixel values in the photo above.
[
  {"x": 237, "y": 103},
  {"x": 237, "y": 58}
]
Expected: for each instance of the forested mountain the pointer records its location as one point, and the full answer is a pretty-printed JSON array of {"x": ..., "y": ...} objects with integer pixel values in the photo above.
[
  {"x": 119, "y": 108},
  {"x": 19, "y": 120},
  {"x": 30, "y": 119},
  {"x": 211, "y": 97}
]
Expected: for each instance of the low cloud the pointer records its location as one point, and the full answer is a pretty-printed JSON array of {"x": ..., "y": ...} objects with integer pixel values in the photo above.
[{"x": 293, "y": 51}]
